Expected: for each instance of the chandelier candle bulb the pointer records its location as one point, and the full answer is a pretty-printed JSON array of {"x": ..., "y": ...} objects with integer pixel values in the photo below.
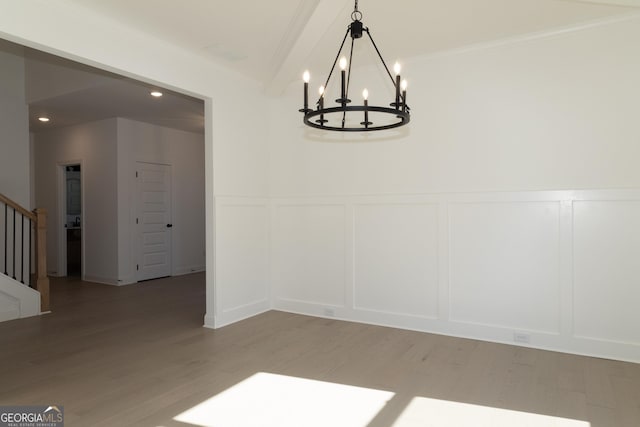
[
  {"x": 321, "y": 100},
  {"x": 396, "y": 69},
  {"x": 365, "y": 95},
  {"x": 321, "y": 103},
  {"x": 404, "y": 95},
  {"x": 306, "y": 77},
  {"x": 322, "y": 120},
  {"x": 343, "y": 72}
]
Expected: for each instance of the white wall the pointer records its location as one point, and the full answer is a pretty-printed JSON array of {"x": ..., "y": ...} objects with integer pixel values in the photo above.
[
  {"x": 14, "y": 137},
  {"x": 184, "y": 151},
  {"x": 452, "y": 228},
  {"x": 94, "y": 145},
  {"x": 545, "y": 113},
  {"x": 236, "y": 155}
]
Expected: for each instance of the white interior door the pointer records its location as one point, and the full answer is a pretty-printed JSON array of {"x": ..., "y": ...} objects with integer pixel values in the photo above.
[{"x": 153, "y": 220}]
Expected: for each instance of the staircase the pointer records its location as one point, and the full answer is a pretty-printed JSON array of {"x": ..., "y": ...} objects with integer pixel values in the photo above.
[{"x": 24, "y": 285}]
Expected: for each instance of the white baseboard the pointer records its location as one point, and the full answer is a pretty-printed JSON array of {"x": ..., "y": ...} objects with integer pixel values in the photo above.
[
  {"x": 209, "y": 321},
  {"x": 237, "y": 314},
  {"x": 101, "y": 280},
  {"x": 189, "y": 270}
]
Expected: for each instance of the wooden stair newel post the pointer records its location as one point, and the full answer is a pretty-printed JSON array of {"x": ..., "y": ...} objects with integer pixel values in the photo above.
[{"x": 42, "y": 281}]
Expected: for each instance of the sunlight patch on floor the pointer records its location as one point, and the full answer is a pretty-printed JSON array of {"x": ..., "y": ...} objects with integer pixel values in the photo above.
[
  {"x": 423, "y": 411},
  {"x": 282, "y": 401}
]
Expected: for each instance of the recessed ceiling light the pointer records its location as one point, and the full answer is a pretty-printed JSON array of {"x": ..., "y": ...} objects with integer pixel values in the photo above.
[
  {"x": 43, "y": 119},
  {"x": 156, "y": 94}
]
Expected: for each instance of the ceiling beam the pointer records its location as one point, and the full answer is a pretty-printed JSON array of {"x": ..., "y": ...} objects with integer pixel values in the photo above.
[{"x": 317, "y": 24}]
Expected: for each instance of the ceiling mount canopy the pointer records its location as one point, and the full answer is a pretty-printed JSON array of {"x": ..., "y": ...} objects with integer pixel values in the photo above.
[{"x": 356, "y": 118}]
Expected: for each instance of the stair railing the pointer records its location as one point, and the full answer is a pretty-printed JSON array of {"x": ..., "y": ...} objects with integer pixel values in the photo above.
[{"x": 23, "y": 238}]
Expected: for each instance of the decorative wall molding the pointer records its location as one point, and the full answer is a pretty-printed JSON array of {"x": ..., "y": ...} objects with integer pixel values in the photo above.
[
  {"x": 524, "y": 268},
  {"x": 309, "y": 252},
  {"x": 546, "y": 269}
]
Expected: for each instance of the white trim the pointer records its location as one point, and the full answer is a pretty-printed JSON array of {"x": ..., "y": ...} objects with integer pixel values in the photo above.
[
  {"x": 102, "y": 280},
  {"x": 239, "y": 313},
  {"x": 189, "y": 269},
  {"x": 211, "y": 294}
]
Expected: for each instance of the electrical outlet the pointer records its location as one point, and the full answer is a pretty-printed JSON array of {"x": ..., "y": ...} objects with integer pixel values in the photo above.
[
  {"x": 329, "y": 312},
  {"x": 522, "y": 337}
]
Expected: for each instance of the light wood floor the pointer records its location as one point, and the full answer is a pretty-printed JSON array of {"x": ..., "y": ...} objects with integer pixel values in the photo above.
[{"x": 137, "y": 355}]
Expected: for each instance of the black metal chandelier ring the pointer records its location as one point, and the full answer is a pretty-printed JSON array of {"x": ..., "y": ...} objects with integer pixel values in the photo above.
[{"x": 403, "y": 116}]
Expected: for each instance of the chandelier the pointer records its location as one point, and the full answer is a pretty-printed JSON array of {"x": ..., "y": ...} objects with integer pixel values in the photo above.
[{"x": 335, "y": 118}]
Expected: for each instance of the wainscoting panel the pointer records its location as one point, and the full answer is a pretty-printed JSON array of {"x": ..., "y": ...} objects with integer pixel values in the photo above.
[
  {"x": 242, "y": 258},
  {"x": 396, "y": 258},
  {"x": 555, "y": 270},
  {"x": 504, "y": 264},
  {"x": 606, "y": 244},
  {"x": 309, "y": 253}
]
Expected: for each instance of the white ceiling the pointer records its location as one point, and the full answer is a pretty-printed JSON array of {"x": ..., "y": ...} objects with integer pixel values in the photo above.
[
  {"x": 256, "y": 37},
  {"x": 119, "y": 98},
  {"x": 70, "y": 93},
  {"x": 274, "y": 41}
]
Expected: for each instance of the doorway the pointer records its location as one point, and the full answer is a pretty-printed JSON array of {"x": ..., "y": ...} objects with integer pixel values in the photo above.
[{"x": 70, "y": 262}]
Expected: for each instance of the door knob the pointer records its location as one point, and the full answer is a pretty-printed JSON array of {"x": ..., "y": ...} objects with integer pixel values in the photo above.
[{"x": 169, "y": 225}]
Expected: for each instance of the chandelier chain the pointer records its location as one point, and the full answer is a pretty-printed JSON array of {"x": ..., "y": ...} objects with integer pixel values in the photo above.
[{"x": 356, "y": 15}]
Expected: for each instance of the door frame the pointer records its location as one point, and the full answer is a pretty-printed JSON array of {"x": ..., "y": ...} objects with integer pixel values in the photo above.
[
  {"x": 61, "y": 201},
  {"x": 137, "y": 247}
]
